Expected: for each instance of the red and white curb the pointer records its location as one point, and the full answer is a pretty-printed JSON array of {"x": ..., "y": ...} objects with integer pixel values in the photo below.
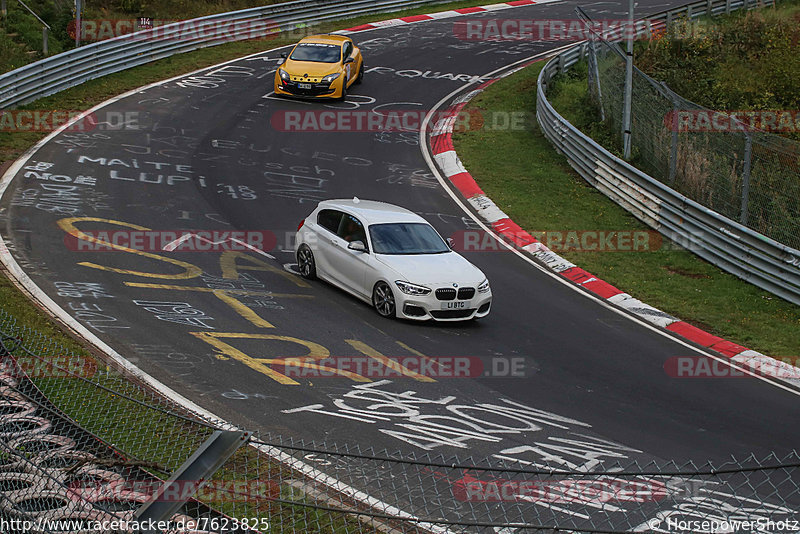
[
  {"x": 444, "y": 154},
  {"x": 444, "y": 14}
]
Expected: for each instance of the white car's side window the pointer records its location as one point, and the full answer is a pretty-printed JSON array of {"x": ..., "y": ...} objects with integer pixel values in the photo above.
[{"x": 330, "y": 220}]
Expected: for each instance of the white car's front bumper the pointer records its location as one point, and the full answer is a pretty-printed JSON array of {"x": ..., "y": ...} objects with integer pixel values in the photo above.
[{"x": 440, "y": 307}]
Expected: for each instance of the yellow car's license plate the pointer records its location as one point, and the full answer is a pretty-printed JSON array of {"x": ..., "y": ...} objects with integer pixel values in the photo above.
[{"x": 304, "y": 85}]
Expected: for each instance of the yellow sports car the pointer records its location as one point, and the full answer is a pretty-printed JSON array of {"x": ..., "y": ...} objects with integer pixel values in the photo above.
[{"x": 320, "y": 66}]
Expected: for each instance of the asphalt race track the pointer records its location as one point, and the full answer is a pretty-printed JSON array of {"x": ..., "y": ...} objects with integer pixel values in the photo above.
[{"x": 208, "y": 156}]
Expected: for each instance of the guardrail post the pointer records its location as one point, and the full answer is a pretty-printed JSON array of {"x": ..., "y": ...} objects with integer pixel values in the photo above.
[
  {"x": 44, "y": 40},
  {"x": 748, "y": 156},
  {"x": 727, "y": 7},
  {"x": 708, "y": 8},
  {"x": 196, "y": 470},
  {"x": 3, "y": 10}
]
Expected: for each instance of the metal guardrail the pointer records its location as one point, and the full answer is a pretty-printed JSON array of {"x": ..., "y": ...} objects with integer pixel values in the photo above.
[
  {"x": 722, "y": 241},
  {"x": 79, "y": 65}
]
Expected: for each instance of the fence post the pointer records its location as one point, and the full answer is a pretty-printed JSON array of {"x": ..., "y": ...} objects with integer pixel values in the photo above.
[
  {"x": 748, "y": 156},
  {"x": 78, "y": 23},
  {"x": 628, "y": 97},
  {"x": 44, "y": 40},
  {"x": 595, "y": 76},
  {"x": 673, "y": 147}
]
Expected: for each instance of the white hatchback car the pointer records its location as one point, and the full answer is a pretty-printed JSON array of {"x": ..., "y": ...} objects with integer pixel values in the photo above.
[{"x": 392, "y": 258}]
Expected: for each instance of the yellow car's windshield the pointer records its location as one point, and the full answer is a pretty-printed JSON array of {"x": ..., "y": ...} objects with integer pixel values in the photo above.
[{"x": 319, "y": 52}]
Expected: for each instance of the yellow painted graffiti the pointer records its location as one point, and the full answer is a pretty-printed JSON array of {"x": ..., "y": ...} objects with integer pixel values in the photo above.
[
  {"x": 227, "y": 296},
  {"x": 316, "y": 353},
  {"x": 366, "y": 350},
  {"x": 68, "y": 225},
  {"x": 263, "y": 365},
  {"x": 229, "y": 263}
]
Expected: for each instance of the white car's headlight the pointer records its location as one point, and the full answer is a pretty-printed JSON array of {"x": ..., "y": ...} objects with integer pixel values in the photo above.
[
  {"x": 412, "y": 289},
  {"x": 330, "y": 77},
  {"x": 283, "y": 74},
  {"x": 483, "y": 287}
]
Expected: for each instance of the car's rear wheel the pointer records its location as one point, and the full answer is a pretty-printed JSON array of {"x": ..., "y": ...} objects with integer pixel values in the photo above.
[
  {"x": 305, "y": 263},
  {"x": 383, "y": 299}
]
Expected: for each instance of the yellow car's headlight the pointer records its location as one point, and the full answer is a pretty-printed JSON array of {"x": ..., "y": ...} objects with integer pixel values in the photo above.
[
  {"x": 330, "y": 77},
  {"x": 283, "y": 74}
]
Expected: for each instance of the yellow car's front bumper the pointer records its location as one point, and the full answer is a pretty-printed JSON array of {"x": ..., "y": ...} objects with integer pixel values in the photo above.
[{"x": 313, "y": 90}]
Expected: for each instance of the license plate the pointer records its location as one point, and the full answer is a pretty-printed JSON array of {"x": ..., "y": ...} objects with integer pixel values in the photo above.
[
  {"x": 304, "y": 85},
  {"x": 456, "y": 305}
]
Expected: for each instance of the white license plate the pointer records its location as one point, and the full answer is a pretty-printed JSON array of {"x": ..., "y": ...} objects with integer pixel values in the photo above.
[
  {"x": 456, "y": 305},
  {"x": 304, "y": 85}
]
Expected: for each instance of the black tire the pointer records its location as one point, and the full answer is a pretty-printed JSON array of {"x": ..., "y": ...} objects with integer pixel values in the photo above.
[
  {"x": 344, "y": 92},
  {"x": 383, "y": 300},
  {"x": 360, "y": 77},
  {"x": 305, "y": 263}
]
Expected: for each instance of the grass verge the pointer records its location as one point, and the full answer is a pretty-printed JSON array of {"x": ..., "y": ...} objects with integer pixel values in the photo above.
[{"x": 536, "y": 187}]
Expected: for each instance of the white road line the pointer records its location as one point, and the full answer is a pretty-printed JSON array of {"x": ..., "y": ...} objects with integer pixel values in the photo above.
[{"x": 172, "y": 245}]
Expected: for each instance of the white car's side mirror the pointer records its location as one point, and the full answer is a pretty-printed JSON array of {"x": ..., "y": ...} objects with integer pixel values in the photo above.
[{"x": 358, "y": 246}]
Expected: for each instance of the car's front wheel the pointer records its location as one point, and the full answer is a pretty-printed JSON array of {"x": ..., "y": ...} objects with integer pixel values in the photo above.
[
  {"x": 383, "y": 299},
  {"x": 305, "y": 263}
]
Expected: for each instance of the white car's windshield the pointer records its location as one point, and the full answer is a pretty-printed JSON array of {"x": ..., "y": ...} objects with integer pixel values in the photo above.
[
  {"x": 319, "y": 52},
  {"x": 406, "y": 238}
]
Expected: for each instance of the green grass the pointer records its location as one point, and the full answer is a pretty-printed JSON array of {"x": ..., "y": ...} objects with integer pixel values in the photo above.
[{"x": 529, "y": 180}]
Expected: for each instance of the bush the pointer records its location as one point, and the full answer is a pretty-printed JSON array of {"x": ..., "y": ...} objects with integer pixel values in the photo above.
[{"x": 744, "y": 61}]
